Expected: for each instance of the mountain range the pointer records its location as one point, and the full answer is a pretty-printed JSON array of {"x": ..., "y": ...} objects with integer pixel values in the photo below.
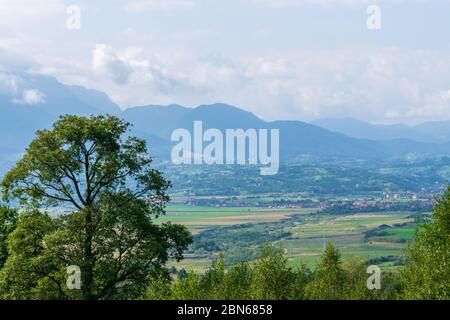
[
  {"x": 342, "y": 138},
  {"x": 431, "y": 132}
]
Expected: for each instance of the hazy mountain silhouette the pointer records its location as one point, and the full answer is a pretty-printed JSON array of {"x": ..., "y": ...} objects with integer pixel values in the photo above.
[
  {"x": 432, "y": 132},
  {"x": 20, "y": 118},
  {"x": 297, "y": 138}
]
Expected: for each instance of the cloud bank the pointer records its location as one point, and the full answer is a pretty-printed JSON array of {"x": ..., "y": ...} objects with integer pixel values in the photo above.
[
  {"x": 275, "y": 63},
  {"x": 377, "y": 85}
]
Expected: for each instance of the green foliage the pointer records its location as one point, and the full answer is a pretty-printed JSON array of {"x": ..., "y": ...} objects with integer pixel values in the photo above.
[
  {"x": 84, "y": 164},
  {"x": 22, "y": 276},
  {"x": 270, "y": 278},
  {"x": 267, "y": 278},
  {"x": 8, "y": 222},
  {"x": 355, "y": 282},
  {"x": 337, "y": 280},
  {"x": 427, "y": 272},
  {"x": 273, "y": 279},
  {"x": 329, "y": 277},
  {"x": 237, "y": 283},
  {"x": 391, "y": 286},
  {"x": 327, "y": 176}
]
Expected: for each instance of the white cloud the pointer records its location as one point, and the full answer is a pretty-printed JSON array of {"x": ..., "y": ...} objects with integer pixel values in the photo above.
[
  {"x": 134, "y": 68},
  {"x": 31, "y": 97},
  {"x": 105, "y": 61},
  {"x": 283, "y": 78},
  {"x": 379, "y": 85},
  {"x": 9, "y": 84}
]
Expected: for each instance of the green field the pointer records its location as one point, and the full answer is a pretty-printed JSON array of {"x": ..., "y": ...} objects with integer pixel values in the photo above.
[
  {"x": 184, "y": 208},
  {"x": 308, "y": 232},
  {"x": 346, "y": 232},
  {"x": 200, "y": 218}
]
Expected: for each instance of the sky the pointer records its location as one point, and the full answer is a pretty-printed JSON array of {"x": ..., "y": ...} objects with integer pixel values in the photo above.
[{"x": 280, "y": 59}]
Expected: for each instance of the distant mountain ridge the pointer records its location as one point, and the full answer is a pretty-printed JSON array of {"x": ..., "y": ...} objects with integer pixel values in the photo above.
[
  {"x": 19, "y": 118},
  {"x": 430, "y": 132},
  {"x": 297, "y": 138},
  {"x": 155, "y": 123}
]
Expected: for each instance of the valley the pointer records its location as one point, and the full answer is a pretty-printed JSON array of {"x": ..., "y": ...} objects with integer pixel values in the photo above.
[{"x": 240, "y": 233}]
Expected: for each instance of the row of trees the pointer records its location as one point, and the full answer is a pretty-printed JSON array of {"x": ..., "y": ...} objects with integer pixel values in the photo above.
[
  {"x": 270, "y": 278},
  {"x": 103, "y": 180}
]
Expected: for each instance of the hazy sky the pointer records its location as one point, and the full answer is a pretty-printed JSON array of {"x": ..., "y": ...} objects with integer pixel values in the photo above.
[{"x": 281, "y": 59}]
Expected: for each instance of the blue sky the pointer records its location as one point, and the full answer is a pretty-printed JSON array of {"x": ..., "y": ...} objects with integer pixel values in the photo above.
[{"x": 281, "y": 59}]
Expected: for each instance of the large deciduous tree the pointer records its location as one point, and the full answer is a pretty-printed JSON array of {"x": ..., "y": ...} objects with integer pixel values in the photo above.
[{"x": 92, "y": 168}]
